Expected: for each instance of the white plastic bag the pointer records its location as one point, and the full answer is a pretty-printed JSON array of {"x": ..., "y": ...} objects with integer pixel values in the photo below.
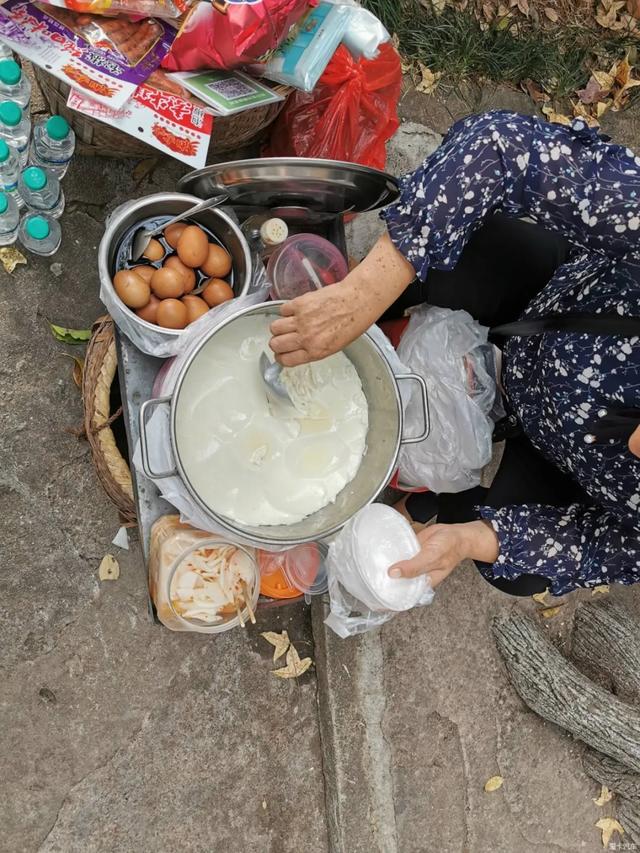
[
  {"x": 450, "y": 350},
  {"x": 361, "y": 593}
]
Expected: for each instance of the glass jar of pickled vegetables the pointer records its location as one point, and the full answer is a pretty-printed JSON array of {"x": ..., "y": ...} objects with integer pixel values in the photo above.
[{"x": 199, "y": 581}]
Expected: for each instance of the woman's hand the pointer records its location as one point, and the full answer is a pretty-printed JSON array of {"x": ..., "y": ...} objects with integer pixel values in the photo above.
[
  {"x": 445, "y": 546},
  {"x": 321, "y": 323}
]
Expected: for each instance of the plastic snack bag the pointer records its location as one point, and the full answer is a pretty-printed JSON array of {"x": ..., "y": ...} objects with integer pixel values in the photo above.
[
  {"x": 449, "y": 349},
  {"x": 152, "y": 8},
  {"x": 229, "y": 34},
  {"x": 350, "y": 115},
  {"x": 305, "y": 53}
]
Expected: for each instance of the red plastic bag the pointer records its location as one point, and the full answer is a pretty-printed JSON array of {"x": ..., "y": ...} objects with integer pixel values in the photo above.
[
  {"x": 224, "y": 34},
  {"x": 350, "y": 115}
]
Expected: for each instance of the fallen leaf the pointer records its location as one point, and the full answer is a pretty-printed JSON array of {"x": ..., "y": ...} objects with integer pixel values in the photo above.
[
  {"x": 295, "y": 667},
  {"x": 429, "y": 81},
  {"x": 608, "y": 825},
  {"x": 553, "y": 116},
  {"x": 551, "y": 14},
  {"x": 70, "y": 336},
  {"x": 11, "y": 257},
  {"x": 144, "y": 169},
  {"x": 603, "y": 589},
  {"x": 535, "y": 92},
  {"x": 488, "y": 11},
  {"x": 592, "y": 92},
  {"x": 109, "y": 568},
  {"x": 602, "y": 107},
  {"x": 279, "y": 641},
  {"x": 541, "y": 597},
  {"x": 633, "y": 8},
  {"x": 605, "y": 796},
  {"x": 78, "y": 368},
  {"x": 550, "y": 612},
  {"x": 493, "y": 784}
]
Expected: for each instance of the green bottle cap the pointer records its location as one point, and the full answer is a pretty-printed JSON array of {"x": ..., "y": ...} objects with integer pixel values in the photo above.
[
  {"x": 10, "y": 72},
  {"x": 35, "y": 178},
  {"x": 38, "y": 228},
  {"x": 57, "y": 127},
  {"x": 4, "y": 151},
  {"x": 10, "y": 113},
  {"x": 4, "y": 203}
]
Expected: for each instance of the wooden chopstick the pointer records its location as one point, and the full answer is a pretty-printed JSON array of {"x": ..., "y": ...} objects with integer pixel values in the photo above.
[{"x": 247, "y": 601}]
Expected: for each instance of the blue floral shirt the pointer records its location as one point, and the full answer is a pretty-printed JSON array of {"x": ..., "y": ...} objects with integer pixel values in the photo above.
[{"x": 572, "y": 181}]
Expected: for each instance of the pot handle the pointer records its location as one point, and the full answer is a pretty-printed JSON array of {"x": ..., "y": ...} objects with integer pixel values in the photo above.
[
  {"x": 144, "y": 447},
  {"x": 413, "y": 377}
]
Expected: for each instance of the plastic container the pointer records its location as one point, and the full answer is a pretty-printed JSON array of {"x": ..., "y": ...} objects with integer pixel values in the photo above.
[
  {"x": 15, "y": 129},
  {"x": 303, "y": 263},
  {"x": 9, "y": 172},
  {"x": 41, "y": 191},
  {"x": 264, "y": 234},
  {"x": 300, "y": 570},
  {"x": 14, "y": 83},
  {"x": 9, "y": 219},
  {"x": 53, "y": 145},
  {"x": 40, "y": 234},
  {"x": 179, "y": 555}
]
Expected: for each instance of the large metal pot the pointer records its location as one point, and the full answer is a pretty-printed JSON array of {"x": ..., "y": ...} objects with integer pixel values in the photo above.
[
  {"x": 384, "y": 439},
  {"x": 124, "y": 221}
]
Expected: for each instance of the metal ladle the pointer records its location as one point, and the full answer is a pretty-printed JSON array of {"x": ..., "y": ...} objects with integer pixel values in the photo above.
[
  {"x": 270, "y": 373},
  {"x": 142, "y": 237}
]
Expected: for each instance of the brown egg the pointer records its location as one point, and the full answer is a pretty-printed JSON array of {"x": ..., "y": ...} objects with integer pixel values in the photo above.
[
  {"x": 173, "y": 232},
  {"x": 133, "y": 290},
  {"x": 150, "y": 310},
  {"x": 218, "y": 262},
  {"x": 216, "y": 292},
  {"x": 193, "y": 246},
  {"x": 172, "y": 314},
  {"x": 167, "y": 283},
  {"x": 188, "y": 275},
  {"x": 196, "y": 307},
  {"x": 145, "y": 272},
  {"x": 154, "y": 251}
]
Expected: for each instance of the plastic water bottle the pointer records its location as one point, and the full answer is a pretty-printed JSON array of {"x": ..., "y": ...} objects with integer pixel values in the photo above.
[
  {"x": 14, "y": 84},
  {"x": 5, "y": 51},
  {"x": 41, "y": 191},
  {"x": 9, "y": 172},
  {"x": 40, "y": 234},
  {"x": 53, "y": 145},
  {"x": 15, "y": 129},
  {"x": 9, "y": 219}
]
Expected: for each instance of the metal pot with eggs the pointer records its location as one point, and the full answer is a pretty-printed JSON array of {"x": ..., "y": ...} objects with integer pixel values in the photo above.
[{"x": 385, "y": 435}]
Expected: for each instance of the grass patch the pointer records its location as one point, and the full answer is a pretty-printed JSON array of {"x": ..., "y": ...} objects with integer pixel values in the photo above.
[{"x": 454, "y": 42}]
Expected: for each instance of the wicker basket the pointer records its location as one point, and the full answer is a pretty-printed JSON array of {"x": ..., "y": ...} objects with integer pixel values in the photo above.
[
  {"x": 100, "y": 369},
  {"x": 95, "y": 138}
]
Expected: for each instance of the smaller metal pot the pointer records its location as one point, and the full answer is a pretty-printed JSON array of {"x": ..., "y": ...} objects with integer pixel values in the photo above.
[{"x": 124, "y": 222}]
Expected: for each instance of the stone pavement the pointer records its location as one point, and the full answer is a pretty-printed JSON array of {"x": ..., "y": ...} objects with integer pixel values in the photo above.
[{"x": 119, "y": 736}]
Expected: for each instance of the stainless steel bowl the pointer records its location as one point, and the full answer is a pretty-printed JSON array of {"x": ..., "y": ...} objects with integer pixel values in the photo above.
[
  {"x": 149, "y": 207},
  {"x": 384, "y": 438}
]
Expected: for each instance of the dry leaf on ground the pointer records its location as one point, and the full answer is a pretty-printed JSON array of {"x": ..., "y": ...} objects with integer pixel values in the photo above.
[
  {"x": 541, "y": 597},
  {"x": 553, "y": 116},
  {"x": 550, "y": 612},
  {"x": 109, "y": 568},
  {"x": 78, "y": 368},
  {"x": 280, "y": 642},
  {"x": 535, "y": 92},
  {"x": 551, "y": 14},
  {"x": 493, "y": 784},
  {"x": 603, "y": 589},
  {"x": 295, "y": 667},
  {"x": 605, "y": 796},
  {"x": 11, "y": 257},
  {"x": 429, "y": 81},
  {"x": 70, "y": 336},
  {"x": 608, "y": 825}
]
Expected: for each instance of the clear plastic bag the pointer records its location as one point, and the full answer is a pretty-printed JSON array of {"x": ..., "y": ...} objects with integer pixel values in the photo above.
[
  {"x": 450, "y": 350},
  {"x": 361, "y": 593}
]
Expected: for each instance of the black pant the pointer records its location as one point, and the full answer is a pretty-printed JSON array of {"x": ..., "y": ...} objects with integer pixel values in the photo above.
[{"x": 504, "y": 265}]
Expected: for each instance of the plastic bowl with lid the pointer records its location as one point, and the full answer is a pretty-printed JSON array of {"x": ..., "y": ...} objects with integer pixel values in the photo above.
[{"x": 303, "y": 263}]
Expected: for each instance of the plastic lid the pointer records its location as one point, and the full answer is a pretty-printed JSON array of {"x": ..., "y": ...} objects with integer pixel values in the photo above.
[
  {"x": 35, "y": 178},
  {"x": 4, "y": 151},
  {"x": 10, "y": 72},
  {"x": 305, "y": 568},
  {"x": 10, "y": 113},
  {"x": 4, "y": 202},
  {"x": 273, "y": 582},
  {"x": 274, "y": 231},
  {"x": 303, "y": 263},
  {"x": 57, "y": 127},
  {"x": 38, "y": 228}
]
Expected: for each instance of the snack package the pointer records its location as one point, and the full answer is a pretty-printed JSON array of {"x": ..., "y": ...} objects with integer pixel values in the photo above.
[
  {"x": 170, "y": 121},
  {"x": 145, "y": 8},
  {"x": 229, "y": 34},
  {"x": 104, "y": 58},
  {"x": 305, "y": 53},
  {"x": 350, "y": 115}
]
